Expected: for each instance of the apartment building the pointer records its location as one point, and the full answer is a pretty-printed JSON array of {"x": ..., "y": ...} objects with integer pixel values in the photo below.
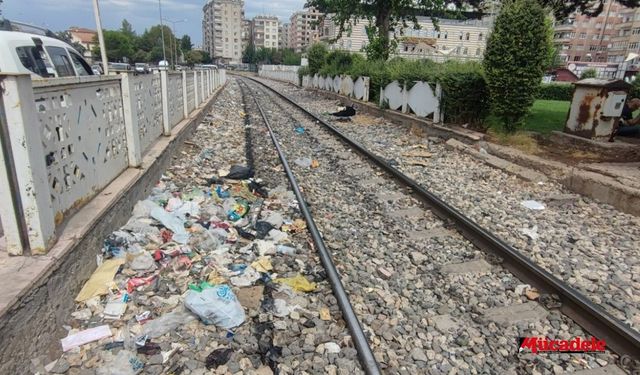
[
  {"x": 304, "y": 28},
  {"x": 283, "y": 35},
  {"x": 454, "y": 40},
  {"x": 86, "y": 37},
  {"x": 246, "y": 34},
  {"x": 264, "y": 32},
  {"x": 222, "y": 30}
]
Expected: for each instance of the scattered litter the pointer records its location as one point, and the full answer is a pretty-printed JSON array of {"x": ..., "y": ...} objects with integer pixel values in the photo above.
[
  {"x": 99, "y": 282},
  {"x": 331, "y": 347},
  {"x": 262, "y": 264},
  {"x": 124, "y": 363},
  {"x": 85, "y": 337},
  {"x": 300, "y": 130},
  {"x": 533, "y": 205},
  {"x": 218, "y": 357},
  {"x": 167, "y": 323},
  {"x": 303, "y": 162},
  {"x": 315, "y": 163},
  {"x": 172, "y": 223},
  {"x": 532, "y": 294},
  {"x": 251, "y": 298},
  {"x": 217, "y": 305},
  {"x": 531, "y": 232},
  {"x": 114, "y": 309},
  {"x": 418, "y": 154},
  {"x": 288, "y": 250},
  {"x": 348, "y": 111},
  {"x": 325, "y": 314},
  {"x": 299, "y": 283},
  {"x": 520, "y": 289},
  {"x": 239, "y": 172}
]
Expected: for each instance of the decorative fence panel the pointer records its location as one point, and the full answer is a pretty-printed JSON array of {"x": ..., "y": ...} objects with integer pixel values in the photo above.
[
  {"x": 421, "y": 99},
  {"x": 148, "y": 106},
  {"x": 340, "y": 84},
  {"x": 176, "y": 103},
  {"x": 78, "y": 136},
  {"x": 83, "y": 138},
  {"x": 191, "y": 93}
]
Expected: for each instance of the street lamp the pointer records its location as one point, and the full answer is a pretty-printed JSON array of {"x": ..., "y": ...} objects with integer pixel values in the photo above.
[{"x": 175, "y": 44}]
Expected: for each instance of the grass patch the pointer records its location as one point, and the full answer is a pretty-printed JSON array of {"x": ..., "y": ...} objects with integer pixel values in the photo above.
[
  {"x": 546, "y": 116},
  {"x": 521, "y": 140}
]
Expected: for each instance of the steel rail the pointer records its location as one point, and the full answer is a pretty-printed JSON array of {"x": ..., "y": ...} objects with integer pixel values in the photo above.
[
  {"x": 365, "y": 355},
  {"x": 620, "y": 337}
]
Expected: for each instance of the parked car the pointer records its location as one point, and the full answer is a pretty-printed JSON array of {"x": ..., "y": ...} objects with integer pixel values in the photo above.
[
  {"x": 142, "y": 68},
  {"x": 119, "y": 67},
  {"x": 35, "y": 51}
]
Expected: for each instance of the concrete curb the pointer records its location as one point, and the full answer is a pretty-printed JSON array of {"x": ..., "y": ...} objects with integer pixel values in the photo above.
[{"x": 31, "y": 317}]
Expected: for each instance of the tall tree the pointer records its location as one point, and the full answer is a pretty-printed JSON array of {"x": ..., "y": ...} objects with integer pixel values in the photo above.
[
  {"x": 119, "y": 47},
  {"x": 185, "y": 43},
  {"x": 127, "y": 29},
  {"x": 249, "y": 54},
  {"x": 515, "y": 59},
  {"x": 562, "y": 9},
  {"x": 384, "y": 17}
]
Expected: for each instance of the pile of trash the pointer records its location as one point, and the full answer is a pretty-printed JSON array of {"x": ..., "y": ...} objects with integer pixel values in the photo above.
[{"x": 200, "y": 258}]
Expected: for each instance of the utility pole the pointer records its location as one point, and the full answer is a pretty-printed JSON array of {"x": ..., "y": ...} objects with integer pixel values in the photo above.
[
  {"x": 103, "y": 49},
  {"x": 175, "y": 37},
  {"x": 164, "y": 54}
]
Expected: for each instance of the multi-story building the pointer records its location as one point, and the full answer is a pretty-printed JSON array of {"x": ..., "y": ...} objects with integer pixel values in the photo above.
[
  {"x": 454, "y": 39},
  {"x": 85, "y": 37},
  {"x": 246, "y": 34},
  {"x": 304, "y": 28},
  {"x": 222, "y": 30},
  {"x": 353, "y": 39},
  {"x": 264, "y": 31},
  {"x": 283, "y": 35},
  {"x": 596, "y": 42}
]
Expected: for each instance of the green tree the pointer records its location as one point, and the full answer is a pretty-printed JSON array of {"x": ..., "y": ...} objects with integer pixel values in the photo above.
[
  {"x": 185, "y": 43},
  {"x": 119, "y": 47},
  {"x": 290, "y": 57},
  {"x": 589, "y": 73},
  {"x": 249, "y": 54},
  {"x": 194, "y": 57},
  {"x": 127, "y": 29},
  {"x": 151, "y": 42},
  {"x": 317, "y": 55},
  {"x": 515, "y": 60}
]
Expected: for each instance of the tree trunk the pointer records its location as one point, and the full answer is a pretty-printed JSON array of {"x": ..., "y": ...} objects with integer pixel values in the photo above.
[{"x": 383, "y": 21}]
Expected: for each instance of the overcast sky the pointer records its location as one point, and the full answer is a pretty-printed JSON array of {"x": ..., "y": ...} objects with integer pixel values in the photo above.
[{"x": 60, "y": 14}]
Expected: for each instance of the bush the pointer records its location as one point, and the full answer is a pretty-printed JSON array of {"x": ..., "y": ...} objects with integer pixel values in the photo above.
[
  {"x": 635, "y": 88},
  {"x": 514, "y": 62},
  {"x": 555, "y": 91},
  {"x": 588, "y": 73},
  {"x": 316, "y": 54}
]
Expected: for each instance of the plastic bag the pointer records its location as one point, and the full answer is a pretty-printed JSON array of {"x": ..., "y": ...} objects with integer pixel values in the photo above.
[
  {"x": 303, "y": 162},
  {"x": 217, "y": 305},
  {"x": 239, "y": 172},
  {"x": 167, "y": 323},
  {"x": 172, "y": 223},
  {"x": 125, "y": 363}
]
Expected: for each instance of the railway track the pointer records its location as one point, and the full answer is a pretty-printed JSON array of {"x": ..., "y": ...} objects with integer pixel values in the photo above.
[{"x": 620, "y": 338}]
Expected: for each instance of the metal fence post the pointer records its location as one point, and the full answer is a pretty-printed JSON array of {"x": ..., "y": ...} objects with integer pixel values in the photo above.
[
  {"x": 185, "y": 100},
  {"x": 366, "y": 89},
  {"x": 28, "y": 218},
  {"x": 164, "y": 83},
  {"x": 405, "y": 99},
  {"x": 132, "y": 132},
  {"x": 195, "y": 89}
]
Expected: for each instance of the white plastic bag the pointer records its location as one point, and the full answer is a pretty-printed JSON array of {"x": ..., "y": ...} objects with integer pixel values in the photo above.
[
  {"x": 172, "y": 223},
  {"x": 217, "y": 305}
]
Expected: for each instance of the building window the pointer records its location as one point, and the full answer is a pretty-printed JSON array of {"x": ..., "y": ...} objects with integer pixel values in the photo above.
[
  {"x": 477, "y": 51},
  {"x": 467, "y": 36},
  {"x": 583, "y": 35},
  {"x": 465, "y": 51},
  {"x": 480, "y": 36},
  {"x": 576, "y": 58},
  {"x": 445, "y": 35},
  {"x": 460, "y": 36}
]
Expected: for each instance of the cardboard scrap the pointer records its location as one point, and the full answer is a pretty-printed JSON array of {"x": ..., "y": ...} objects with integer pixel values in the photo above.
[
  {"x": 85, "y": 337},
  {"x": 98, "y": 283}
]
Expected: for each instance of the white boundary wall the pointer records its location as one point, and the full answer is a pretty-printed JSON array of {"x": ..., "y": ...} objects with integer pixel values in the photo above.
[
  {"x": 287, "y": 73},
  {"x": 63, "y": 140}
]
